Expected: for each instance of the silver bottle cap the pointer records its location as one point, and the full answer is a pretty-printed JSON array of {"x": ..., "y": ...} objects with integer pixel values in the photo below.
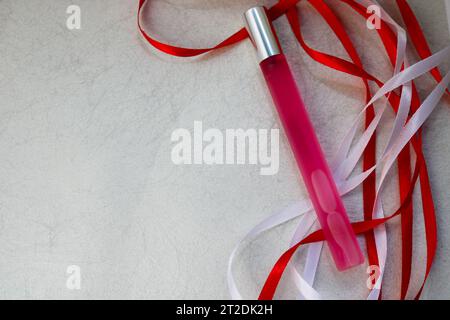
[{"x": 261, "y": 33}]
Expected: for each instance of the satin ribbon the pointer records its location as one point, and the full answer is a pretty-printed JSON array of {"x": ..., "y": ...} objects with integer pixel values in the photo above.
[{"x": 395, "y": 46}]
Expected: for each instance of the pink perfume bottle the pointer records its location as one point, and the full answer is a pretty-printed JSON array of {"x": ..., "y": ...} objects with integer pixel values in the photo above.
[{"x": 304, "y": 143}]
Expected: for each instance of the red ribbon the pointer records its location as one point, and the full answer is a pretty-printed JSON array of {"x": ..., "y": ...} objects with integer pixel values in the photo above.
[{"x": 406, "y": 181}]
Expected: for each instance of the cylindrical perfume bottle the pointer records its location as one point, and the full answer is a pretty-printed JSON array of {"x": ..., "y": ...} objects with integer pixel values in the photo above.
[{"x": 304, "y": 143}]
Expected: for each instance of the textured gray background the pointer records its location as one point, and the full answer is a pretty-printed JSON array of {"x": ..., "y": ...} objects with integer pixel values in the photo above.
[{"x": 85, "y": 170}]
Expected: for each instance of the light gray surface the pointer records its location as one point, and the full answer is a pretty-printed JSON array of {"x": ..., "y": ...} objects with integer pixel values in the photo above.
[{"x": 85, "y": 171}]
